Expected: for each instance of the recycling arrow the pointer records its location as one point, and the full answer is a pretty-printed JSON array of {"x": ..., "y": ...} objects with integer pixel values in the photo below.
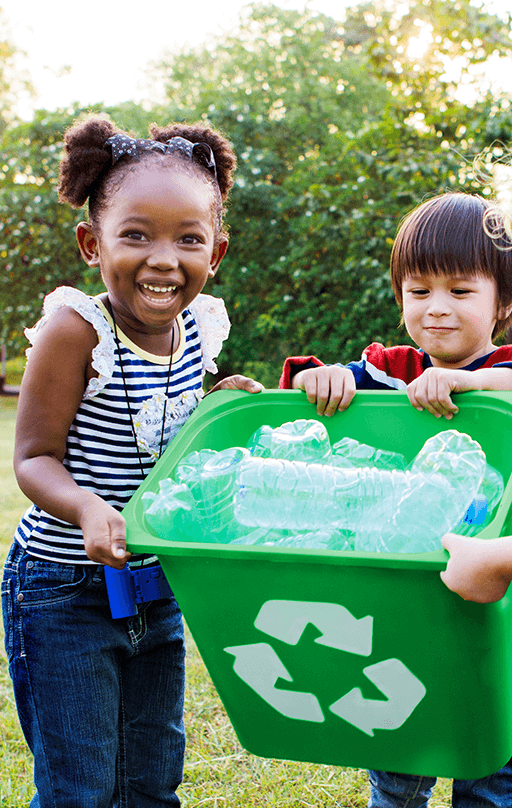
[
  {"x": 403, "y": 690},
  {"x": 260, "y": 667},
  {"x": 286, "y": 620}
]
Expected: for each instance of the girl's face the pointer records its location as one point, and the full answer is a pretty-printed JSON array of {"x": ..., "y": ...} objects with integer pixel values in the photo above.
[
  {"x": 156, "y": 248},
  {"x": 450, "y": 318}
]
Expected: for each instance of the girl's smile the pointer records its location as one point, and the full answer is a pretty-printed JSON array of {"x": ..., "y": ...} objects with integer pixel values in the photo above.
[
  {"x": 156, "y": 250},
  {"x": 451, "y": 318}
]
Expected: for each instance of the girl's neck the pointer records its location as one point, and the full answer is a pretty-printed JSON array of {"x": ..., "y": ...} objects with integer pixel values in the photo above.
[{"x": 158, "y": 343}]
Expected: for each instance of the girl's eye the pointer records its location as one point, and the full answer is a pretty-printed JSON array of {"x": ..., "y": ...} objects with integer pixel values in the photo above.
[
  {"x": 191, "y": 239},
  {"x": 134, "y": 235}
]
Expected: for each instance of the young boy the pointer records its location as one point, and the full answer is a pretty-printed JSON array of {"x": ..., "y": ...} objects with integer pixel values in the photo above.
[{"x": 453, "y": 282}]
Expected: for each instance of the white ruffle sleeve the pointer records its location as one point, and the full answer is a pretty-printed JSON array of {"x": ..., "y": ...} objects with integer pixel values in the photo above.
[
  {"x": 103, "y": 354},
  {"x": 213, "y": 326}
]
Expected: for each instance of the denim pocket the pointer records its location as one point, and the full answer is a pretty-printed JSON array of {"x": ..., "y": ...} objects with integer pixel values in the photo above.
[{"x": 50, "y": 582}]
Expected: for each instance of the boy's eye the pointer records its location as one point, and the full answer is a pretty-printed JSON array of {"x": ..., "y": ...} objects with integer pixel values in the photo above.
[
  {"x": 191, "y": 239},
  {"x": 460, "y": 292},
  {"x": 419, "y": 292}
]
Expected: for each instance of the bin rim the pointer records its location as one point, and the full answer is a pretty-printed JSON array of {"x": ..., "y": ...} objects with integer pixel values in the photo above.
[{"x": 141, "y": 540}]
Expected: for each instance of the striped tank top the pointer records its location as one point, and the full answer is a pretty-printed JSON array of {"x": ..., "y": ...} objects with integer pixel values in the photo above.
[{"x": 101, "y": 454}]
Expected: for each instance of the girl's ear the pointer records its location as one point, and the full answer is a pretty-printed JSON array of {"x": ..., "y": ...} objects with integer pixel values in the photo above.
[
  {"x": 219, "y": 251},
  {"x": 88, "y": 244}
]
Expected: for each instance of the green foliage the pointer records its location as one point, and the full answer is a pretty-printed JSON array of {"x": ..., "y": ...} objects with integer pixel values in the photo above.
[
  {"x": 340, "y": 128},
  {"x": 339, "y": 132}
]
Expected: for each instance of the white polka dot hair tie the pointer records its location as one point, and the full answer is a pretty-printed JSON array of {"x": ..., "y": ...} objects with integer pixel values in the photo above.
[{"x": 122, "y": 145}]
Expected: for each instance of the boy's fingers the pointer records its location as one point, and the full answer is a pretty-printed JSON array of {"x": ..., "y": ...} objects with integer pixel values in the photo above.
[{"x": 323, "y": 393}]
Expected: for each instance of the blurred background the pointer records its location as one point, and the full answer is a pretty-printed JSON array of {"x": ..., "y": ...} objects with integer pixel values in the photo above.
[{"x": 343, "y": 116}]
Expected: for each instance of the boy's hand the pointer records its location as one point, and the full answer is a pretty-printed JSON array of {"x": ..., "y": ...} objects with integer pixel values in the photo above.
[
  {"x": 104, "y": 531},
  {"x": 431, "y": 391},
  {"x": 478, "y": 569},
  {"x": 331, "y": 387},
  {"x": 238, "y": 383}
]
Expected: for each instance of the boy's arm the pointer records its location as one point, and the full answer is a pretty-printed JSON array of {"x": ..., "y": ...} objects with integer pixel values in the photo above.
[
  {"x": 479, "y": 569},
  {"x": 293, "y": 365},
  {"x": 431, "y": 391}
]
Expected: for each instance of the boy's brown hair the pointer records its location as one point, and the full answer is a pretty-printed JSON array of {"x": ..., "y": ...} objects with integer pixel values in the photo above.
[{"x": 448, "y": 235}]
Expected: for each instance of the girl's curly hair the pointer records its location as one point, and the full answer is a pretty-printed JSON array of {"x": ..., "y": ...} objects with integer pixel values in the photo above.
[{"x": 87, "y": 173}]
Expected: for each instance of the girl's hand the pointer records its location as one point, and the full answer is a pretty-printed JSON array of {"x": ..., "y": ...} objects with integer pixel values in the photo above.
[
  {"x": 479, "y": 569},
  {"x": 238, "y": 383},
  {"x": 331, "y": 387},
  {"x": 431, "y": 391},
  {"x": 104, "y": 531}
]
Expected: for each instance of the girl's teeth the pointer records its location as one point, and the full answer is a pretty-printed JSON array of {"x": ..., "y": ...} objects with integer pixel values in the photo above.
[{"x": 158, "y": 288}]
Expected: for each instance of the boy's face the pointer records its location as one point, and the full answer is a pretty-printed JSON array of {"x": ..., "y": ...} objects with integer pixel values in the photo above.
[{"x": 450, "y": 318}]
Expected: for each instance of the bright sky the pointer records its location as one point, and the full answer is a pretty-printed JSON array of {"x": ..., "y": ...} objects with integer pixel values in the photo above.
[{"x": 106, "y": 45}]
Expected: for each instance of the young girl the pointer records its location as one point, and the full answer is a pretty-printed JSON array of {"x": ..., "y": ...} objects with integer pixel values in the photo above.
[
  {"x": 109, "y": 381},
  {"x": 453, "y": 282}
]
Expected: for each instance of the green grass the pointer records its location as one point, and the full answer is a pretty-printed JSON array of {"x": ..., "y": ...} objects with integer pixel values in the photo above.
[
  {"x": 14, "y": 371},
  {"x": 218, "y": 772}
]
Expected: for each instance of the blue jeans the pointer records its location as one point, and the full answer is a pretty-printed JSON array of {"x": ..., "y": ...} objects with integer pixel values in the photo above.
[
  {"x": 389, "y": 790},
  {"x": 100, "y": 701}
]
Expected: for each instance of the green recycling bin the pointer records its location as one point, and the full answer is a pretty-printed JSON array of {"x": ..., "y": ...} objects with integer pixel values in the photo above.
[{"x": 347, "y": 658}]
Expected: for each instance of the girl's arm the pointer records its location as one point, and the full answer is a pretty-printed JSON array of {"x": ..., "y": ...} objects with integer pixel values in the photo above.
[
  {"x": 478, "y": 569},
  {"x": 431, "y": 391},
  {"x": 57, "y": 373},
  {"x": 237, "y": 382}
]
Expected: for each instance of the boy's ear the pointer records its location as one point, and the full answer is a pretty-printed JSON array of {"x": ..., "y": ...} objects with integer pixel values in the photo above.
[
  {"x": 219, "y": 251},
  {"x": 88, "y": 244},
  {"x": 504, "y": 312}
]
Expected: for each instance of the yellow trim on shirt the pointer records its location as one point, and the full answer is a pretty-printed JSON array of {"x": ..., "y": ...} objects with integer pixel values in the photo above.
[{"x": 149, "y": 357}]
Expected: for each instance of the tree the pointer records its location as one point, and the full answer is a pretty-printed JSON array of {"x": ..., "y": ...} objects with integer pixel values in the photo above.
[{"x": 340, "y": 129}]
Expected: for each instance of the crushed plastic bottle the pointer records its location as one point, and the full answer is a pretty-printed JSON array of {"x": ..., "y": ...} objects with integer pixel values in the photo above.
[
  {"x": 172, "y": 512},
  {"x": 189, "y": 467},
  {"x": 385, "y": 509},
  {"x": 483, "y": 508},
  {"x": 338, "y": 502},
  {"x": 214, "y": 493},
  {"x": 259, "y": 443},
  {"x": 350, "y": 453},
  {"x": 303, "y": 439}
]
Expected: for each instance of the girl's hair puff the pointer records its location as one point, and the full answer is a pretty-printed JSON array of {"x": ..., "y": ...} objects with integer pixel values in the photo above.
[
  {"x": 446, "y": 235},
  {"x": 225, "y": 159},
  {"x": 85, "y": 158},
  {"x": 87, "y": 173}
]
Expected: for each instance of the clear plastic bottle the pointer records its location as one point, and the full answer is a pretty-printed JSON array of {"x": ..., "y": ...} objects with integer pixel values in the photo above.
[
  {"x": 187, "y": 470},
  {"x": 490, "y": 493},
  {"x": 214, "y": 493},
  {"x": 389, "y": 511},
  {"x": 171, "y": 513},
  {"x": 259, "y": 443},
  {"x": 305, "y": 440},
  {"x": 350, "y": 453}
]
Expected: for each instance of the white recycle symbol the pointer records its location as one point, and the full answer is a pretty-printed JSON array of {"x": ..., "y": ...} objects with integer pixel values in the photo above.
[{"x": 259, "y": 666}]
